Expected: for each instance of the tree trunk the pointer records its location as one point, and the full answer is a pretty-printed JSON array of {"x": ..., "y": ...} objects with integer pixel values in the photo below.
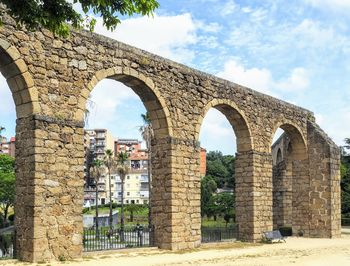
[
  {"x": 122, "y": 176},
  {"x": 131, "y": 216},
  {"x": 97, "y": 232},
  {"x": 110, "y": 202}
]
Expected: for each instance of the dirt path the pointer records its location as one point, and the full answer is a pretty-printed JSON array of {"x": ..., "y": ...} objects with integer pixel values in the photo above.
[{"x": 297, "y": 251}]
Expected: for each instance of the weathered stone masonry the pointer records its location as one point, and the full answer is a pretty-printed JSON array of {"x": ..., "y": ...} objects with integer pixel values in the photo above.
[{"x": 51, "y": 78}]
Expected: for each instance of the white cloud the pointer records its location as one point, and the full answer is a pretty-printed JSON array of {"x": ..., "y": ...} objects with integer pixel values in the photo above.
[
  {"x": 319, "y": 119},
  {"x": 168, "y": 36},
  {"x": 7, "y": 104},
  {"x": 257, "y": 79},
  {"x": 298, "y": 80},
  {"x": 212, "y": 27},
  {"x": 228, "y": 8},
  {"x": 310, "y": 33},
  {"x": 335, "y": 5},
  {"x": 262, "y": 79},
  {"x": 216, "y": 133},
  {"x": 336, "y": 124},
  {"x": 103, "y": 110}
]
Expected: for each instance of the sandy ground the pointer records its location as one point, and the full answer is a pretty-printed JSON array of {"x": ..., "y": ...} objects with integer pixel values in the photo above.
[{"x": 296, "y": 251}]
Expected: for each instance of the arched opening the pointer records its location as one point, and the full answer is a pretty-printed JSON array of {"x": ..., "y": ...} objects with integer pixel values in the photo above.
[
  {"x": 7, "y": 171},
  {"x": 226, "y": 138},
  {"x": 290, "y": 181},
  {"x": 18, "y": 101},
  {"x": 134, "y": 188}
]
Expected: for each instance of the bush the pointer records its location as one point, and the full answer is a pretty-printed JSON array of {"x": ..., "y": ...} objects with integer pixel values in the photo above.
[
  {"x": 12, "y": 217},
  {"x": 286, "y": 231}
]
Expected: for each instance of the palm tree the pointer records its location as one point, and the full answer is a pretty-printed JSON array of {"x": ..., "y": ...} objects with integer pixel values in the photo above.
[
  {"x": 122, "y": 170},
  {"x": 96, "y": 172},
  {"x": 109, "y": 163},
  {"x": 1, "y": 130},
  {"x": 147, "y": 135}
]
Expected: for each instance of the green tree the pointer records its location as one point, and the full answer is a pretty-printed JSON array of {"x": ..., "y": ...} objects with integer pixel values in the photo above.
[
  {"x": 218, "y": 171},
  {"x": 96, "y": 170},
  {"x": 133, "y": 209},
  {"x": 1, "y": 130},
  {"x": 208, "y": 187},
  {"x": 57, "y": 15},
  {"x": 221, "y": 204},
  {"x": 7, "y": 185},
  {"x": 345, "y": 180},
  {"x": 229, "y": 162},
  {"x": 147, "y": 133},
  {"x": 122, "y": 170}
]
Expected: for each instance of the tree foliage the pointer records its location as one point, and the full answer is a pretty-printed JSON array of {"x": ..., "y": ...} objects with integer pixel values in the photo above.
[
  {"x": 133, "y": 209},
  {"x": 7, "y": 185},
  {"x": 220, "y": 174},
  {"x": 345, "y": 184},
  {"x": 57, "y": 15},
  {"x": 221, "y": 168}
]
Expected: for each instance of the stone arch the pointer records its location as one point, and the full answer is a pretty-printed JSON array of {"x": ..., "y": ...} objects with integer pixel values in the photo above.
[
  {"x": 296, "y": 139},
  {"x": 143, "y": 86},
  {"x": 20, "y": 81},
  {"x": 237, "y": 120},
  {"x": 279, "y": 156},
  {"x": 291, "y": 180}
]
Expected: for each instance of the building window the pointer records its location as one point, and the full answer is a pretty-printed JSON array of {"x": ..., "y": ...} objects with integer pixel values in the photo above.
[
  {"x": 127, "y": 201},
  {"x": 128, "y": 193},
  {"x": 137, "y": 201},
  {"x": 128, "y": 177}
]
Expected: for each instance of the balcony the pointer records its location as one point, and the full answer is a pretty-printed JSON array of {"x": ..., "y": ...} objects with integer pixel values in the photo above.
[
  {"x": 144, "y": 194},
  {"x": 144, "y": 179}
]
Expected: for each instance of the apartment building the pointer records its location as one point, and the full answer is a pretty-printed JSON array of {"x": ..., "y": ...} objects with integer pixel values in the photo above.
[
  {"x": 8, "y": 147},
  {"x": 96, "y": 142},
  {"x": 136, "y": 183}
]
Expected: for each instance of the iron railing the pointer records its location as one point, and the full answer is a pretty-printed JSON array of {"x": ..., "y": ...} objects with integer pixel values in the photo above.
[
  {"x": 7, "y": 240},
  {"x": 218, "y": 234},
  {"x": 345, "y": 221},
  {"x": 105, "y": 239}
]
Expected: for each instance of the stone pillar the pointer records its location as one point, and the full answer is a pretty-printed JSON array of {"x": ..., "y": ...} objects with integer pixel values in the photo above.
[
  {"x": 49, "y": 195},
  {"x": 282, "y": 195},
  {"x": 253, "y": 194},
  {"x": 25, "y": 176},
  {"x": 176, "y": 193},
  {"x": 325, "y": 215},
  {"x": 301, "y": 188}
]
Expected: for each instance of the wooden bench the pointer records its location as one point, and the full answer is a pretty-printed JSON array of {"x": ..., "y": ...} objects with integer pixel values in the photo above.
[{"x": 274, "y": 235}]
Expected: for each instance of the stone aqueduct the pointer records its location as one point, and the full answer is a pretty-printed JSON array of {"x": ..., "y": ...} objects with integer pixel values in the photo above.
[{"x": 51, "y": 79}]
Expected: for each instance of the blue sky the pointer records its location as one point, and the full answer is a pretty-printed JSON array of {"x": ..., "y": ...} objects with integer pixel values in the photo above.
[{"x": 298, "y": 51}]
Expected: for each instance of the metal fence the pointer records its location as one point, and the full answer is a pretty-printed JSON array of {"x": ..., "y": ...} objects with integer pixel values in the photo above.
[
  {"x": 7, "y": 238},
  {"x": 345, "y": 221},
  {"x": 218, "y": 234},
  {"x": 105, "y": 239}
]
